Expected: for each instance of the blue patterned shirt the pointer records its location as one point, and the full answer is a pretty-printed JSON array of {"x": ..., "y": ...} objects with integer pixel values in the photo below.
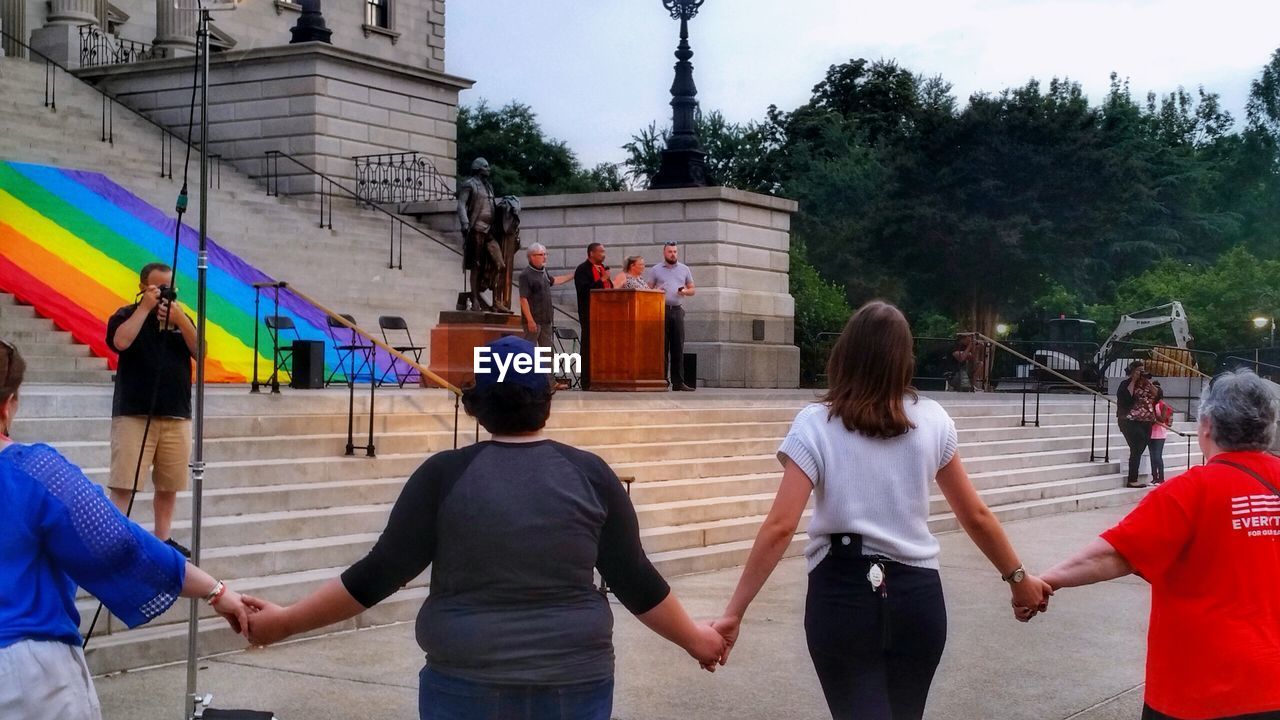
[{"x": 57, "y": 531}]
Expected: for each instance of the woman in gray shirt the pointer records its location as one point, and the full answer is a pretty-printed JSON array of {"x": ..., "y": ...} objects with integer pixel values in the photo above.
[{"x": 513, "y": 528}]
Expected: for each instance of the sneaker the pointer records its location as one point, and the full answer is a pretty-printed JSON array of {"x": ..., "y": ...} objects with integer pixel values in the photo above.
[{"x": 179, "y": 547}]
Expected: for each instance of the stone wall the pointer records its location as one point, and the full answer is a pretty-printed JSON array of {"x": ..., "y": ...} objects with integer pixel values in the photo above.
[
  {"x": 741, "y": 322},
  {"x": 416, "y": 37},
  {"x": 321, "y": 104}
]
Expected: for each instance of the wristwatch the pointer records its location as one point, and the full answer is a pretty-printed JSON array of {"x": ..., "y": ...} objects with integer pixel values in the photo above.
[{"x": 1016, "y": 576}]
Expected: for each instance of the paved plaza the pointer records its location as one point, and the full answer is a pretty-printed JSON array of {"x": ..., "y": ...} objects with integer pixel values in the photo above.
[{"x": 1082, "y": 661}]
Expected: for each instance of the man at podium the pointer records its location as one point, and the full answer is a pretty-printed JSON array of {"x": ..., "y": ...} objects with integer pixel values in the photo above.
[{"x": 592, "y": 274}]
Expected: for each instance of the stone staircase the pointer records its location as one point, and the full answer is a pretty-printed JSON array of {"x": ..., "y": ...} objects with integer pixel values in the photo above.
[
  {"x": 52, "y": 355},
  {"x": 284, "y": 511},
  {"x": 345, "y": 268}
]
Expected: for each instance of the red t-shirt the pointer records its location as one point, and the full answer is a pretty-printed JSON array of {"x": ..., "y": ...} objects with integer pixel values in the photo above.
[{"x": 1208, "y": 541}]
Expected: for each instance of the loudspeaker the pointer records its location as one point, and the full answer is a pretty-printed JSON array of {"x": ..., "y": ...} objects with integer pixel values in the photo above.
[
  {"x": 691, "y": 370},
  {"x": 308, "y": 365}
]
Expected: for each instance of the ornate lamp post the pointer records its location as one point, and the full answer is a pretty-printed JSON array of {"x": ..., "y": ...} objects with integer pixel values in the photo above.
[
  {"x": 310, "y": 27},
  {"x": 684, "y": 162}
]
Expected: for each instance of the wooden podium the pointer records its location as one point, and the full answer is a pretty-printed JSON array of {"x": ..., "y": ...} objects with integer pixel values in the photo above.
[{"x": 627, "y": 335}]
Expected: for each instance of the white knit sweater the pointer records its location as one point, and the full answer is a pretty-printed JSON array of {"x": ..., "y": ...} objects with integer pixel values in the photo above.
[{"x": 875, "y": 487}]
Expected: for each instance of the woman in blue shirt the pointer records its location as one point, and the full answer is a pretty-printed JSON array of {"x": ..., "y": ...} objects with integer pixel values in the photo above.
[{"x": 58, "y": 531}]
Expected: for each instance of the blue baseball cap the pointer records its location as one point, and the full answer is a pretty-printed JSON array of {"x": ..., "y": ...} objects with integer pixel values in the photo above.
[{"x": 506, "y": 360}]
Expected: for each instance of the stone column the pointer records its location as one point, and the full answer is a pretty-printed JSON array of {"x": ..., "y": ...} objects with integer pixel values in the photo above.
[
  {"x": 73, "y": 12},
  {"x": 175, "y": 29},
  {"x": 13, "y": 20},
  {"x": 60, "y": 36}
]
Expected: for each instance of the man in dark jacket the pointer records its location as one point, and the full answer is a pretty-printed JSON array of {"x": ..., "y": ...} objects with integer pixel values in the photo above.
[{"x": 592, "y": 274}]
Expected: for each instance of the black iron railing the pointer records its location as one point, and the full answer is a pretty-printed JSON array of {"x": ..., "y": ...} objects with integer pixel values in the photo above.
[
  {"x": 1107, "y": 402},
  {"x": 98, "y": 48},
  {"x": 399, "y": 178},
  {"x": 330, "y": 188},
  {"x": 52, "y": 68},
  {"x": 337, "y": 320}
]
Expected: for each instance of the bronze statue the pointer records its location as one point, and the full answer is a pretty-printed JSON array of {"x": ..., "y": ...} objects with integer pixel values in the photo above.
[
  {"x": 482, "y": 252},
  {"x": 506, "y": 231}
]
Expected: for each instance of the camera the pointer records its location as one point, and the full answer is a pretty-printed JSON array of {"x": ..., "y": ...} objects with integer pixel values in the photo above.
[{"x": 167, "y": 293}]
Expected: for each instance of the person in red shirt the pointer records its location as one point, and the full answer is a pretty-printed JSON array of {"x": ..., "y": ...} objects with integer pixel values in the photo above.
[{"x": 1208, "y": 542}]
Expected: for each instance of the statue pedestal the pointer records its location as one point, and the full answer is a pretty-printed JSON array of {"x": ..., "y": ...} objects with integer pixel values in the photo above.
[{"x": 459, "y": 333}]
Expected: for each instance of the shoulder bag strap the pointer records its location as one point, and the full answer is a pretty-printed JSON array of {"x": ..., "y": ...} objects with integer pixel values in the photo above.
[{"x": 1244, "y": 469}]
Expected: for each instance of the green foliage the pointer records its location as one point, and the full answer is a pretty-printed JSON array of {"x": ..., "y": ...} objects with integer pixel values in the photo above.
[
  {"x": 1221, "y": 299},
  {"x": 524, "y": 161},
  {"x": 1021, "y": 205},
  {"x": 739, "y": 156},
  {"x": 820, "y": 308}
]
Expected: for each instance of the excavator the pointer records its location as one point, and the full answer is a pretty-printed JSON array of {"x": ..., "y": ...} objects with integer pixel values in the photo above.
[{"x": 1162, "y": 360}]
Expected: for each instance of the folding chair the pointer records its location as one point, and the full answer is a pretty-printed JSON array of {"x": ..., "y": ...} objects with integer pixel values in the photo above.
[
  {"x": 277, "y": 324},
  {"x": 566, "y": 341},
  {"x": 396, "y": 324},
  {"x": 350, "y": 346}
]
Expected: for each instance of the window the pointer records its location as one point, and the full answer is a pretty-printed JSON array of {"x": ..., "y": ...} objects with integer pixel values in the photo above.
[{"x": 377, "y": 13}]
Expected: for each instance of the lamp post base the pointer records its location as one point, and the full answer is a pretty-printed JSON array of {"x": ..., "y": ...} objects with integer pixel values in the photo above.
[{"x": 682, "y": 169}]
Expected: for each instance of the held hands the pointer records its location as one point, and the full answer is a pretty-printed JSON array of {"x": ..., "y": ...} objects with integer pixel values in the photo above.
[
  {"x": 1030, "y": 597},
  {"x": 232, "y": 607},
  {"x": 268, "y": 622},
  {"x": 707, "y": 647},
  {"x": 728, "y": 627}
]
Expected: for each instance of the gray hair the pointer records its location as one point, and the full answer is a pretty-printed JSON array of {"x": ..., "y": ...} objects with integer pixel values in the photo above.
[
  {"x": 1241, "y": 409},
  {"x": 536, "y": 248}
]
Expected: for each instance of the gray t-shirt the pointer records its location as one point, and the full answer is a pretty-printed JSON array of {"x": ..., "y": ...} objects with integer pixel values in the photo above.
[
  {"x": 535, "y": 286},
  {"x": 669, "y": 279},
  {"x": 512, "y": 533}
]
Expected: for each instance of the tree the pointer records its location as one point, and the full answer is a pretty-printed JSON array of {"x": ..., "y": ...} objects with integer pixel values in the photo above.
[
  {"x": 524, "y": 160},
  {"x": 738, "y": 156}
]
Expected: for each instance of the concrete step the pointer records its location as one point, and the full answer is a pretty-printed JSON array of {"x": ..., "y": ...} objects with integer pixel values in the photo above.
[{"x": 65, "y": 377}]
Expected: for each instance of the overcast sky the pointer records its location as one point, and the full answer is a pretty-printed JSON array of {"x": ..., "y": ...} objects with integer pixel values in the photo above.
[{"x": 596, "y": 71}]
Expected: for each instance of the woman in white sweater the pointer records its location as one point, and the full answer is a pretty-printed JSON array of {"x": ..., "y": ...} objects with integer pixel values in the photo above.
[{"x": 874, "y": 617}]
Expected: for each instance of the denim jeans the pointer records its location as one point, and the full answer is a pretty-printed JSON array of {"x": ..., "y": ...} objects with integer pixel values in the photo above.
[{"x": 441, "y": 697}]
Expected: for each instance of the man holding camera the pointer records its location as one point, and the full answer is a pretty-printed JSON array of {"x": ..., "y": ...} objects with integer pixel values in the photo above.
[{"x": 151, "y": 408}]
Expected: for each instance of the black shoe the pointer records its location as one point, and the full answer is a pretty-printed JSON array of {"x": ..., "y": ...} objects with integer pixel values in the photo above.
[
  {"x": 179, "y": 547},
  {"x": 682, "y": 388}
]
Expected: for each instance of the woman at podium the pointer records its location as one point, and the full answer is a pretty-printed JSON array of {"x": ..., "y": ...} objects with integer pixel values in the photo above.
[{"x": 632, "y": 275}]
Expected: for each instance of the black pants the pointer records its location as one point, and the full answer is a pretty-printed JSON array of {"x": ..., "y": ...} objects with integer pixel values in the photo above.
[
  {"x": 1157, "y": 460},
  {"x": 1149, "y": 714},
  {"x": 870, "y": 670},
  {"x": 1137, "y": 435},
  {"x": 675, "y": 345}
]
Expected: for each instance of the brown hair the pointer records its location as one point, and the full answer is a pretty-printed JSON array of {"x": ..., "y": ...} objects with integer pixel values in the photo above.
[
  {"x": 12, "y": 368},
  {"x": 870, "y": 370}
]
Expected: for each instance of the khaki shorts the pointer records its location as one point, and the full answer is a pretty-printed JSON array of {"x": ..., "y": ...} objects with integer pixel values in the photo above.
[{"x": 167, "y": 453}]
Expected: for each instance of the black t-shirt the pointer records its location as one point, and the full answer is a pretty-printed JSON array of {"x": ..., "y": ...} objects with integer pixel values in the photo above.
[
  {"x": 512, "y": 532},
  {"x": 535, "y": 286},
  {"x": 157, "y": 361}
]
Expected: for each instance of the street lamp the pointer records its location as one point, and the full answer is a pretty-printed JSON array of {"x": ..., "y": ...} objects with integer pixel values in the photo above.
[
  {"x": 684, "y": 162},
  {"x": 1002, "y": 329},
  {"x": 1261, "y": 322},
  {"x": 310, "y": 26}
]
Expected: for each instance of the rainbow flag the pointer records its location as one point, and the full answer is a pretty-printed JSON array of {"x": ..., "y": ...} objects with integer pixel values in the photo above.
[{"x": 72, "y": 243}]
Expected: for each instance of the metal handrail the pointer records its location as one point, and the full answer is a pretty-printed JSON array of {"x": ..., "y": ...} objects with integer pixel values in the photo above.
[
  {"x": 1246, "y": 360},
  {"x": 272, "y": 177},
  {"x": 1092, "y": 449},
  {"x": 109, "y": 100}
]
